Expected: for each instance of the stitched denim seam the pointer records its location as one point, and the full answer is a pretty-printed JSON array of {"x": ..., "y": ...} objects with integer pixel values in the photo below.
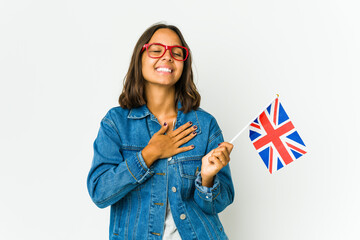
[
  {"x": 148, "y": 126},
  {"x": 198, "y": 123},
  {"x": 217, "y": 195},
  {"x": 191, "y": 225},
  {"x": 137, "y": 215},
  {"x": 190, "y": 177},
  {"x": 189, "y": 158},
  {"x": 187, "y": 176},
  {"x": 131, "y": 147},
  {"x": 207, "y": 200},
  {"x": 112, "y": 196},
  {"x": 111, "y": 124},
  {"x": 133, "y": 116},
  {"x": 212, "y": 190},
  {"x": 201, "y": 190},
  {"x": 140, "y": 163},
  {"x": 214, "y": 136},
  {"x": 214, "y": 228},
  {"x": 202, "y": 221},
  {"x": 218, "y": 223},
  {"x": 115, "y": 219},
  {"x": 126, "y": 235},
  {"x": 130, "y": 171},
  {"x": 151, "y": 191},
  {"x": 188, "y": 218}
]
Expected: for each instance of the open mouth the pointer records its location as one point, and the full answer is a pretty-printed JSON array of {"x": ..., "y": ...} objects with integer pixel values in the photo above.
[{"x": 162, "y": 69}]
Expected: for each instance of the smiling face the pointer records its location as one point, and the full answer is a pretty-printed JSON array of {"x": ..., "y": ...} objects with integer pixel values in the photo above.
[{"x": 165, "y": 70}]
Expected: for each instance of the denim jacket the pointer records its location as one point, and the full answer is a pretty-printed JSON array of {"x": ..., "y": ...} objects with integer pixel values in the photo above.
[{"x": 138, "y": 195}]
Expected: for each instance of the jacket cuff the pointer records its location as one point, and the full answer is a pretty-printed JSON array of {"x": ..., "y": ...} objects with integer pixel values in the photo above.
[
  {"x": 207, "y": 193},
  {"x": 138, "y": 169}
]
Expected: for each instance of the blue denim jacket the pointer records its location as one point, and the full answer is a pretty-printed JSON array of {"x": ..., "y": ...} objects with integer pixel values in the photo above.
[{"x": 138, "y": 195}]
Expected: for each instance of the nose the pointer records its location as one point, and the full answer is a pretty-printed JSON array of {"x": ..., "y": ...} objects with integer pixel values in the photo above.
[{"x": 167, "y": 55}]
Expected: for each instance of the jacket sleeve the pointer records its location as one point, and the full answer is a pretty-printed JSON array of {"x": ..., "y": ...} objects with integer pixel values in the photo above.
[
  {"x": 111, "y": 176},
  {"x": 216, "y": 198}
]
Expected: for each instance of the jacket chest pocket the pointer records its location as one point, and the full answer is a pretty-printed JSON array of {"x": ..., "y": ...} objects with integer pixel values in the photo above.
[{"x": 189, "y": 168}]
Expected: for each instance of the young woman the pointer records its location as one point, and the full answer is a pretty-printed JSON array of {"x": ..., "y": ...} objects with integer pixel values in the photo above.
[{"x": 160, "y": 161}]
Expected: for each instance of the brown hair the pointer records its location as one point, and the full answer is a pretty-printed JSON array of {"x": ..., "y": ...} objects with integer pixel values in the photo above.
[{"x": 133, "y": 93}]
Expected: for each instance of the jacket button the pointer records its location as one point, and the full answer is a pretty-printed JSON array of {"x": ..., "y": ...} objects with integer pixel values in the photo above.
[
  {"x": 173, "y": 189},
  {"x": 182, "y": 216}
]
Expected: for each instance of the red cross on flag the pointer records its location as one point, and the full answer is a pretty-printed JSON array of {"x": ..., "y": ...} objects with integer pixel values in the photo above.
[{"x": 275, "y": 137}]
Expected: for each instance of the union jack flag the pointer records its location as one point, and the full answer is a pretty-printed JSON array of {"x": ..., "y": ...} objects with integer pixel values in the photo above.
[{"x": 275, "y": 137}]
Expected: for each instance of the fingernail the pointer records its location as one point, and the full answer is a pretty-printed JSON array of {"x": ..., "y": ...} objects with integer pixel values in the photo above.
[
  {"x": 190, "y": 122},
  {"x": 195, "y": 127},
  {"x": 192, "y": 146},
  {"x": 194, "y": 132},
  {"x": 165, "y": 123},
  {"x": 219, "y": 144}
]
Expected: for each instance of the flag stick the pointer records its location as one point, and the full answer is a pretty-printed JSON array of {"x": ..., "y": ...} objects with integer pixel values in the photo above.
[{"x": 242, "y": 130}]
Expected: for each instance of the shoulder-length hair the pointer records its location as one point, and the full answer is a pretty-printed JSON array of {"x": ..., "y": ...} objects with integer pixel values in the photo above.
[{"x": 133, "y": 93}]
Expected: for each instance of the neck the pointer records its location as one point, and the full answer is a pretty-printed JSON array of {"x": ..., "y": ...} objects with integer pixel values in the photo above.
[{"x": 161, "y": 101}]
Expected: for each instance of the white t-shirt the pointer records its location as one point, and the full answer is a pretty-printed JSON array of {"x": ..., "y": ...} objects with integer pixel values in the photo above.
[{"x": 170, "y": 230}]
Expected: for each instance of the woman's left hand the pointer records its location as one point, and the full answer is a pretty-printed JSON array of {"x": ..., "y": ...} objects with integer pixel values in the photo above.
[{"x": 214, "y": 161}]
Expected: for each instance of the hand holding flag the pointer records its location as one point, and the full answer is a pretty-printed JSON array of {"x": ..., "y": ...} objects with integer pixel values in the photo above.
[{"x": 214, "y": 161}]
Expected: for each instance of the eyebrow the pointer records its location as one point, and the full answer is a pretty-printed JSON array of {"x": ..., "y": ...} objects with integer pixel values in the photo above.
[{"x": 167, "y": 45}]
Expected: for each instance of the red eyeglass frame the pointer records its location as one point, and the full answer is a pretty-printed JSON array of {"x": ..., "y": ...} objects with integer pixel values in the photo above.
[{"x": 146, "y": 46}]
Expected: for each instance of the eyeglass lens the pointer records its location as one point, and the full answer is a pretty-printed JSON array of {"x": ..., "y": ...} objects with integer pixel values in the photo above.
[{"x": 157, "y": 51}]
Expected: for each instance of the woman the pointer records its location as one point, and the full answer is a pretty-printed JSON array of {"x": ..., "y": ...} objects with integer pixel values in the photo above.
[{"x": 160, "y": 160}]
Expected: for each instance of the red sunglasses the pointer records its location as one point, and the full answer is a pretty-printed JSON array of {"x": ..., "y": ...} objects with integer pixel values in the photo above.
[{"x": 157, "y": 50}]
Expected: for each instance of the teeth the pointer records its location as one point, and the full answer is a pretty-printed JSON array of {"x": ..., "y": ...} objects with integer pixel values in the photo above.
[{"x": 163, "y": 70}]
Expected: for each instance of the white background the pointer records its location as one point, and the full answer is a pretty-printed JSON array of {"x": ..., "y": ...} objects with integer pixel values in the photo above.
[{"x": 62, "y": 65}]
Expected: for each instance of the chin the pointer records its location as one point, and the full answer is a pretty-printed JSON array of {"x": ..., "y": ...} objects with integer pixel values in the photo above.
[
  {"x": 163, "y": 82},
  {"x": 166, "y": 84}
]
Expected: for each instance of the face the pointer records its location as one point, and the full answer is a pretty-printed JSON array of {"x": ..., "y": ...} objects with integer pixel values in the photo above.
[{"x": 165, "y": 70}]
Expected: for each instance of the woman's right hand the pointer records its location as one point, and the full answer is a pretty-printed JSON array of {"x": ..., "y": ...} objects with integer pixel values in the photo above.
[{"x": 164, "y": 146}]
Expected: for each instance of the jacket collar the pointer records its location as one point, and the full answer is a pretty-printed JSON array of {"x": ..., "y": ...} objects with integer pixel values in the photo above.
[
  {"x": 140, "y": 112},
  {"x": 143, "y": 111}
]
